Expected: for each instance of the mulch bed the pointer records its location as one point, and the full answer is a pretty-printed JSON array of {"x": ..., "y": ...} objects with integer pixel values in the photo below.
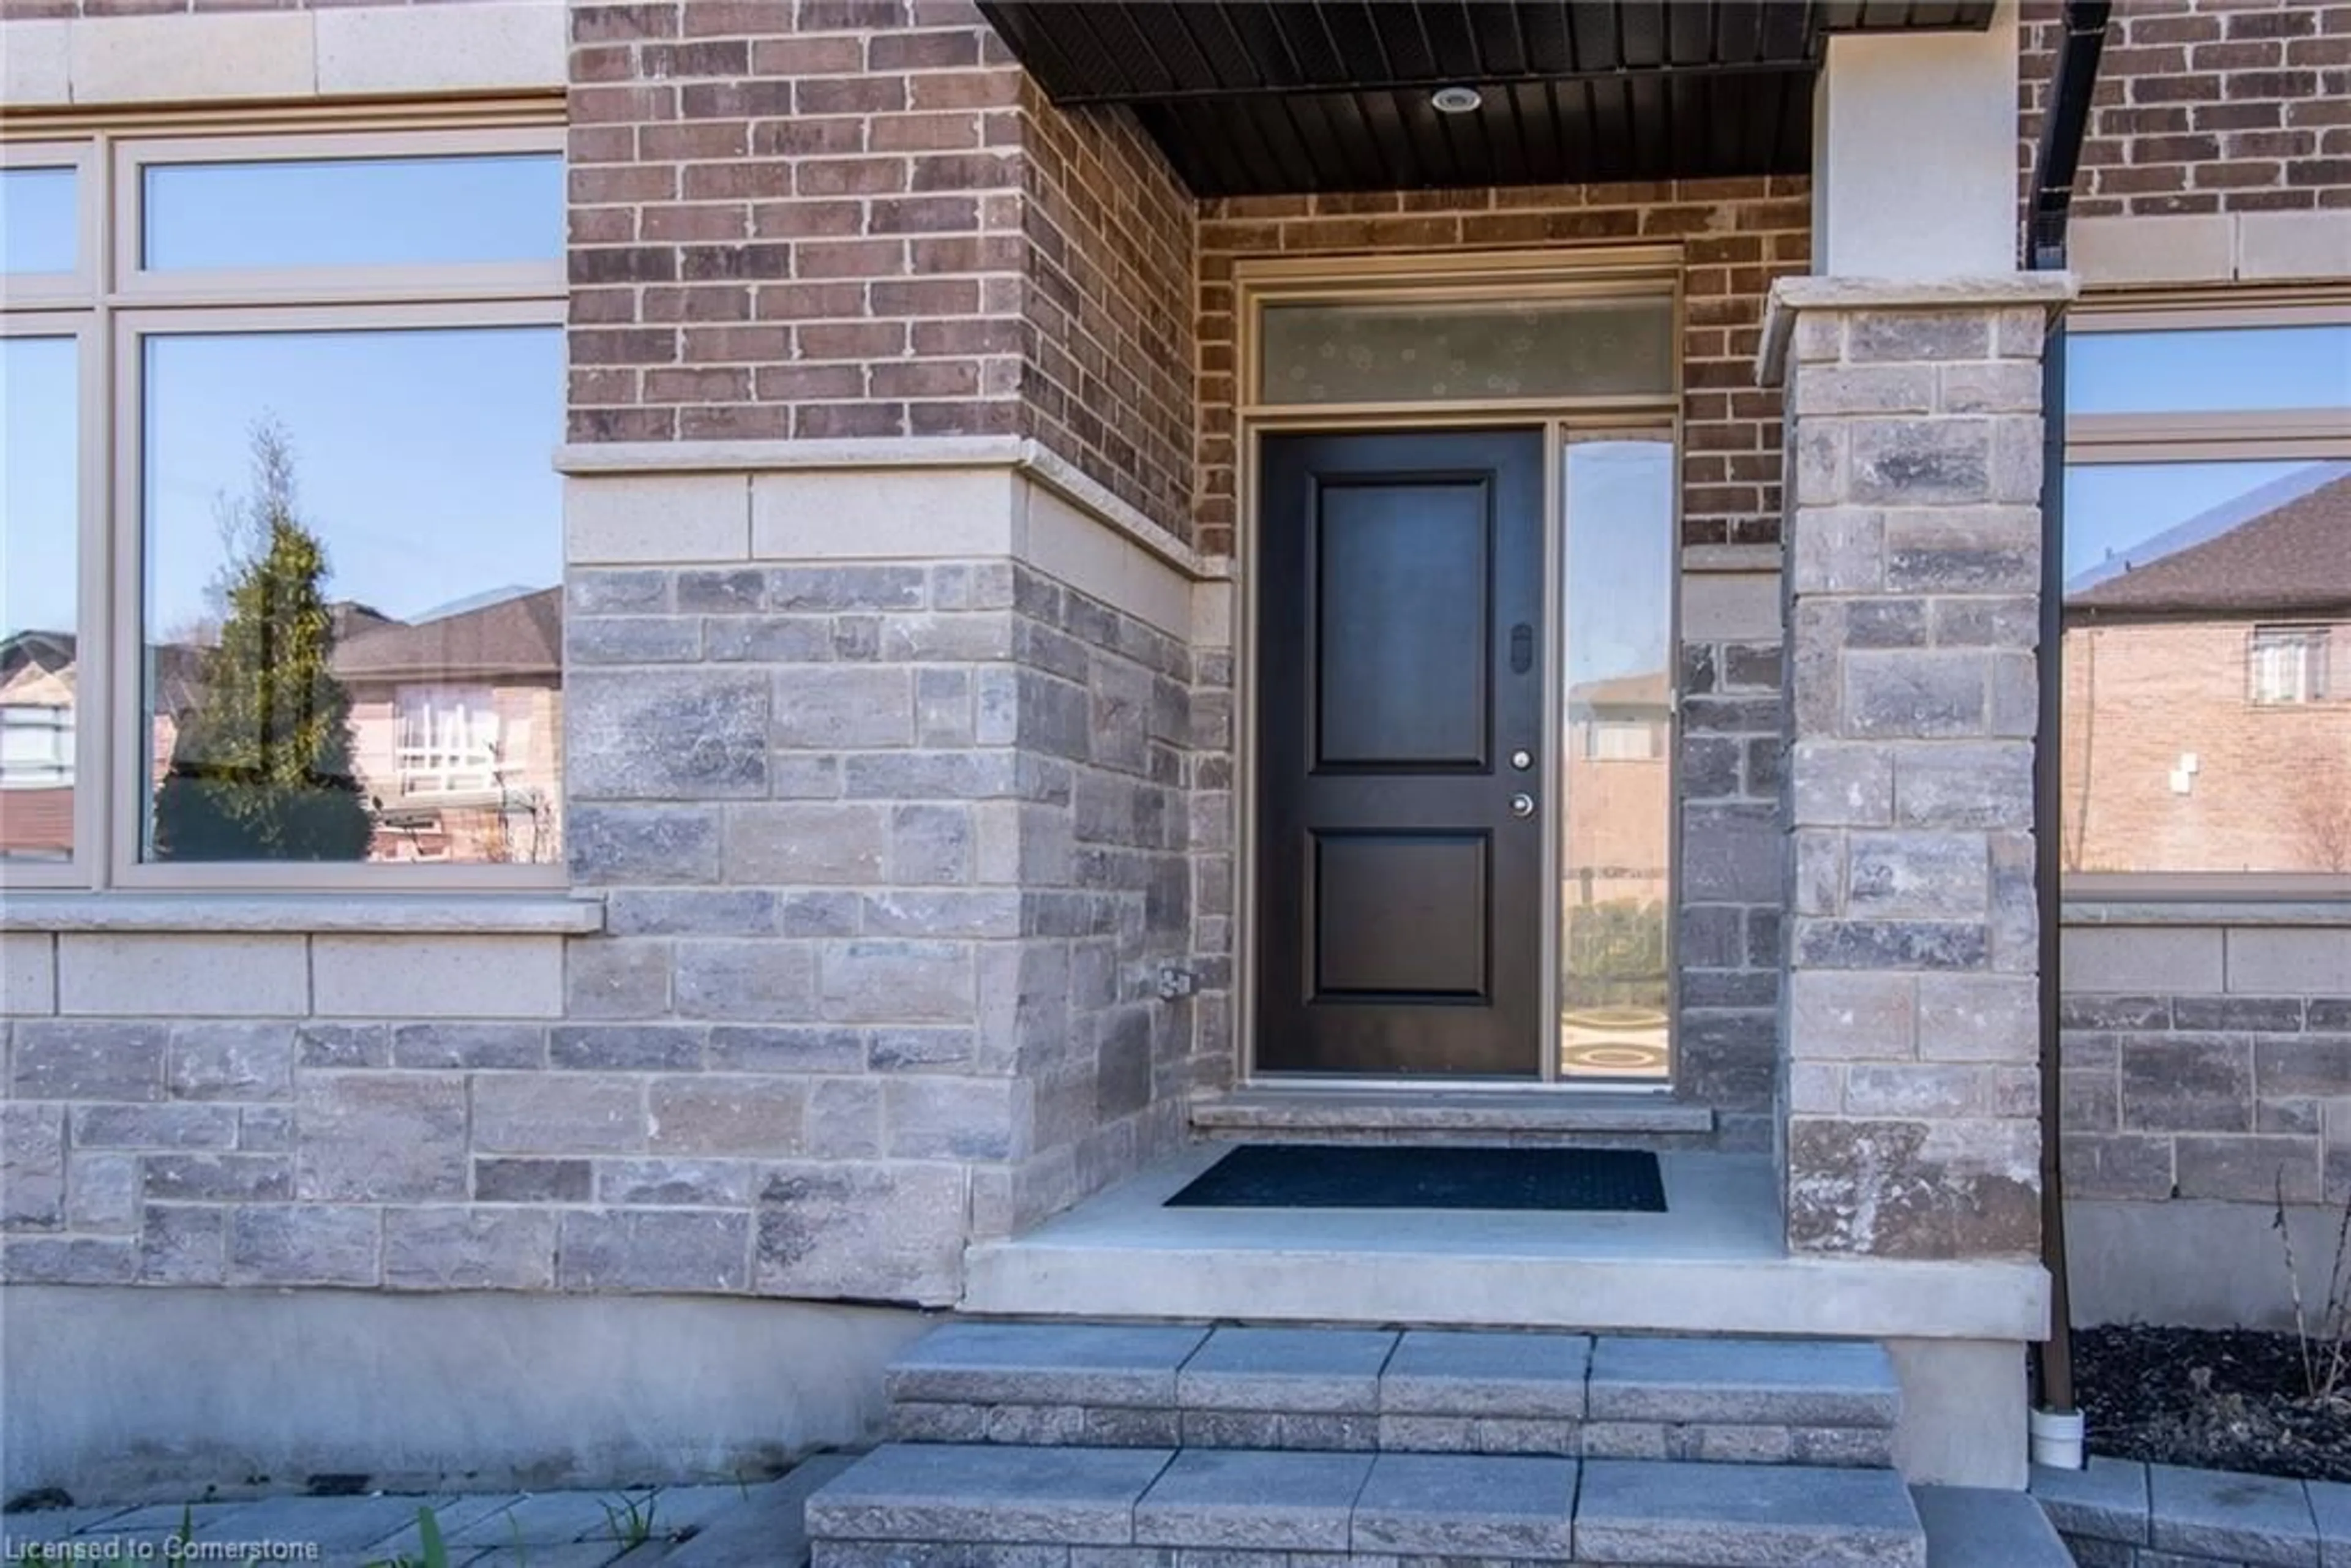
[{"x": 2215, "y": 1399}]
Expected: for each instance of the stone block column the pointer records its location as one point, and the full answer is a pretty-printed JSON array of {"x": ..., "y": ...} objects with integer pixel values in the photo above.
[
  {"x": 1910, "y": 1095},
  {"x": 879, "y": 656}
]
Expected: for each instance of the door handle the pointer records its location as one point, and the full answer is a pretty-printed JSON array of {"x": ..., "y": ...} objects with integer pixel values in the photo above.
[{"x": 1523, "y": 804}]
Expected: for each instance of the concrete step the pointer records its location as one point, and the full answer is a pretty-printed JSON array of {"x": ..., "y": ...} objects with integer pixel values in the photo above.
[
  {"x": 1967, "y": 1527},
  {"x": 1829, "y": 1402},
  {"x": 1000, "y": 1506}
]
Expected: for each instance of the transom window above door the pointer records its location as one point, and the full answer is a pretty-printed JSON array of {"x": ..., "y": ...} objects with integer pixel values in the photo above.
[{"x": 1510, "y": 330}]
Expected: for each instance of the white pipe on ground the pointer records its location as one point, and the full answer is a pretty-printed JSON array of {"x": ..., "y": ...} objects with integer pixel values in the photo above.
[{"x": 2057, "y": 1438}]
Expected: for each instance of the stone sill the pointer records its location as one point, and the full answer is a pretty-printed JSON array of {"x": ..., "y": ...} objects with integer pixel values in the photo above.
[
  {"x": 2085, "y": 912},
  {"x": 1739, "y": 558},
  {"x": 1040, "y": 463},
  {"x": 482, "y": 915},
  {"x": 2046, "y": 290},
  {"x": 1268, "y": 1109}
]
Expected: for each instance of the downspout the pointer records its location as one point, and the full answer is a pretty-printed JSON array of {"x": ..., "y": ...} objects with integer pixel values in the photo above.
[{"x": 2057, "y": 1432}]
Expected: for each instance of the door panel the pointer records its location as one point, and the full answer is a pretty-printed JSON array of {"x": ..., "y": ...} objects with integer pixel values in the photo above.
[
  {"x": 1400, "y": 624},
  {"x": 1399, "y": 896},
  {"x": 1400, "y": 914}
]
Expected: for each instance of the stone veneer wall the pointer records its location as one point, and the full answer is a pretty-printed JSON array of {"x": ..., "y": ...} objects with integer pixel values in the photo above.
[
  {"x": 1737, "y": 236},
  {"x": 857, "y": 218},
  {"x": 930, "y": 812},
  {"x": 1912, "y": 1031},
  {"x": 891, "y": 849},
  {"x": 2208, "y": 1060}
]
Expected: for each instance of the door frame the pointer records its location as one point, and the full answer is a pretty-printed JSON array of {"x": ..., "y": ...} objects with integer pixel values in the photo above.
[{"x": 1591, "y": 272}]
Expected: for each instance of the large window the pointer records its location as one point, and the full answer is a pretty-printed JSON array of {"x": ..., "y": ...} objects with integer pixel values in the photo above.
[
  {"x": 282, "y": 544},
  {"x": 2207, "y": 720}
]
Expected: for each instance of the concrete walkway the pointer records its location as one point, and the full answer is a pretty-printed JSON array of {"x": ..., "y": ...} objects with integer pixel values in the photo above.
[{"x": 675, "y": 1527}]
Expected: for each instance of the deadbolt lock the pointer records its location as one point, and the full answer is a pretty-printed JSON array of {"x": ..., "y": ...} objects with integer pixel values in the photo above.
[{"x": 1523, "y": 760}]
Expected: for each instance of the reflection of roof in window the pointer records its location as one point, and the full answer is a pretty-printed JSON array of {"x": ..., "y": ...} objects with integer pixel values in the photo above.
[
  {"x": 2293, "y": 556},
  {"x": 1638, "y": 695},
  {"x": 518, "y": 636}
]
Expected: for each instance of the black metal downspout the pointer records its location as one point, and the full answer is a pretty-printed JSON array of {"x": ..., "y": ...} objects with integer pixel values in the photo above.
[{"x": 2055, "y": 163}]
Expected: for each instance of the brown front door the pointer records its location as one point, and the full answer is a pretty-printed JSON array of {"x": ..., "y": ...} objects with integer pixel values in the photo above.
[{"x": 1400, "y": 681}]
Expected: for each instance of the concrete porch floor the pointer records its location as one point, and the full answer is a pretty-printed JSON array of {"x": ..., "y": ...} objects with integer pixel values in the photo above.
[{"x": 1714, "y": 1262}]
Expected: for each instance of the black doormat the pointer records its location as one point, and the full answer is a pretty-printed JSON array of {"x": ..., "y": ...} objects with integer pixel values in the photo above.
[{"x": 1359, "y": 1176}]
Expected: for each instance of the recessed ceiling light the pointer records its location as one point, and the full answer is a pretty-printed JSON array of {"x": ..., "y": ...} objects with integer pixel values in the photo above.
[{"x": 1454, "y": 99}]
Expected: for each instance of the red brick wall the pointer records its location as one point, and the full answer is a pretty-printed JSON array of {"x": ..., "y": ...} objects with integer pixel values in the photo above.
[
  {"x": 2273, "y": 787},
  {"x": 849, "y": 218},
  {"x": 1737, "y": 236},
  {"x": 2206, "y": 106},
  {"x": 1107, "y": 308}
]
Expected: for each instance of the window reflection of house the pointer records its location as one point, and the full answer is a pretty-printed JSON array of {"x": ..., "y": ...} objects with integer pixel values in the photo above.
[
  {"x": 2292, "y": 664},
  {"x": 1617, "y": 824},
  {"x": 1615, "y": 980},
  {"x": 457, "y": 721},
  {"x": 36, "y": 745},
  {"x": 2207, "y": 702}
]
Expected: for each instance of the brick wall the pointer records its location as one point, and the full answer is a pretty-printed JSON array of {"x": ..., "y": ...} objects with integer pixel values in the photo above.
[
  {"x": 2206, "y": 106},
  {"x": 834, "y": 219},
  {"x": 2271, "y": 792},
  {"x": 1109, "y": 335},
  {"x": 1738, "y": 235}
]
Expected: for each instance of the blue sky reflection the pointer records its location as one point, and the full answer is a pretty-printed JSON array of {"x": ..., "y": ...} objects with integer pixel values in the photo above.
[
  {"x": 37, "y": 489},
  {"x": 38, "y": 221},
  {"x": 352, "y": 212},
  {"x": 1620, "y": 557},
  {"x": 2223, "y": 370},
  {"x": 423, "y": 458}
]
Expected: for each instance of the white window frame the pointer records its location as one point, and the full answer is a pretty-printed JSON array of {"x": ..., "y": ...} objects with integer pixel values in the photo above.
[
  {"x": 447, "y": 767},
  {"x": 93, "y": 656},
  {"x": 79, "y": 286},
  {"x": 110, "y": 310},
  {"x": 2266, "y": 435},
  {"x": 2311, "y": 643}
]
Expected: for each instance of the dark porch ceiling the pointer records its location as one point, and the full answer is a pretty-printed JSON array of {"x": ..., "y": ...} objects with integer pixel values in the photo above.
[{"x": 1258, "y": 97}]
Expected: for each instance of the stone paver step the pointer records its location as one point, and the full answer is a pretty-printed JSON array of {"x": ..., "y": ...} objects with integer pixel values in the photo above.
[
  {"x": 1645, "y": 1511},
  {"x": 1789, "y": 1382},
  {"x": 1970, "y": 1527},
  {"x": 1115, "y": 1364},
  {"x": 1819, "y": 1402},
  {"x": 914, "y": 1502}
]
